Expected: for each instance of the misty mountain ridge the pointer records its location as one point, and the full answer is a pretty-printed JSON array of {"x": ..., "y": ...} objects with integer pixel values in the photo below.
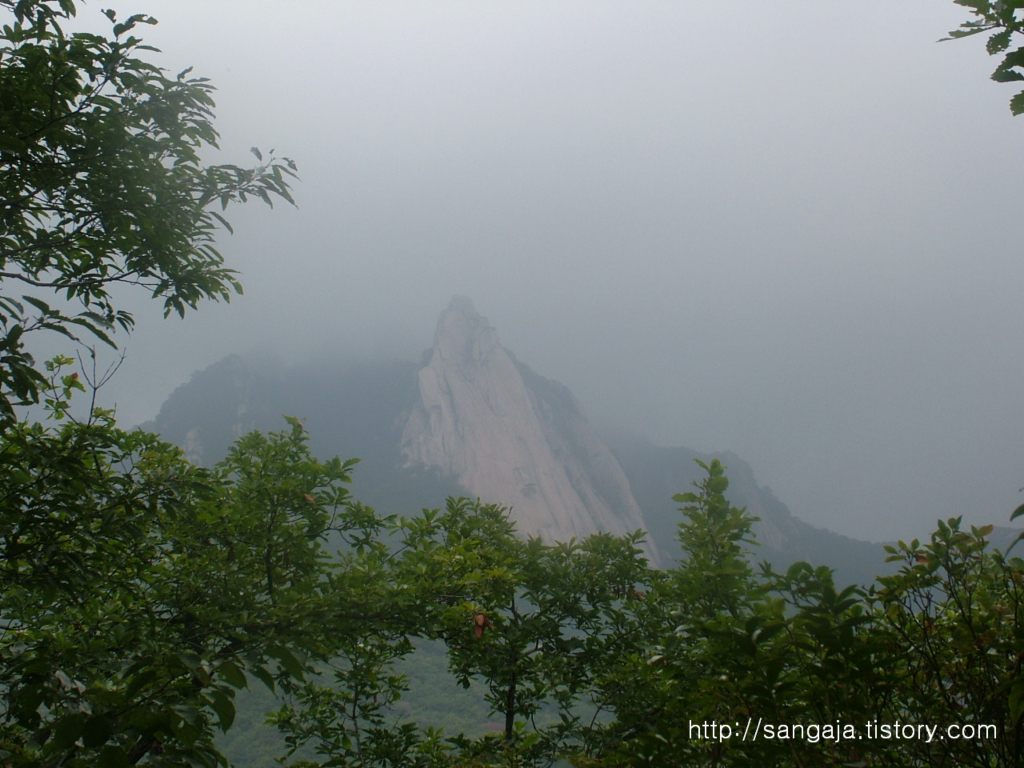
[
  {"x": 470, "y": 419},
  {"x": 509, "y": 436}
]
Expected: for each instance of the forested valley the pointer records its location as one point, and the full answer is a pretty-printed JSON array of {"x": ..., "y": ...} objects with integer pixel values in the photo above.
[{"x": 145, "y": 597}]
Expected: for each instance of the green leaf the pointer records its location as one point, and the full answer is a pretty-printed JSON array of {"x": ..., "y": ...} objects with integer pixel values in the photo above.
[
  {"x": 224, "y": 707},
  {"x": 12, "y": 144},
  {"x": 287, "y": 660},
  {"x": 224, "y": 222},
  {"x": 998, "y": 43},
  {"x": 261, "y": 674},
  {"x": 69, "y": 729},
  {"x": 138, "y": 681},
  {"x": 1006, "y": 76},
  {"x": 965, "y": 31},
  {"x": 112, "y": 756},
  {"x": 232, "y": 675},
  {"x": 1016, "y": 700},
  {"x": 1017, "y": 104},
  {"x": 96, "y": 731}
]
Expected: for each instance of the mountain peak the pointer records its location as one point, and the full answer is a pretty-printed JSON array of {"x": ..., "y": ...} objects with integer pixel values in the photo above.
[
  {"x": 463, "y": 336},
  {"x": 461, "y": 304},
  {"x": 512, "y": 437}
]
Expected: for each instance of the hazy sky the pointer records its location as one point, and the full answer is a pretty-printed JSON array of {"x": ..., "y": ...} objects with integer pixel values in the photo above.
[{"x": 789, "y": 229}]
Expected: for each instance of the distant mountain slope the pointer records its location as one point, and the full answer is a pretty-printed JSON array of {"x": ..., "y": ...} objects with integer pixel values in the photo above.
[
  {"x": 470, "y": 419},
  {"x": 656, "y": 474},
  {"x": 353, "y": 410}
]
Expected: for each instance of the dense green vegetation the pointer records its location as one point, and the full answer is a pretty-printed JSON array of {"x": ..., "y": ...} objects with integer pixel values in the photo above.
[
  {"x": 1004, "y": 23},
  {"x": 102, "y": 185},
  {"x": 140, "y": 593}
]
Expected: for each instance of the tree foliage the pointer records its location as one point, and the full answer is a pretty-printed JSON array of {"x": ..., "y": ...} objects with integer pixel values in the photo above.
[
  {"x": 102, "y": 183},
  {"x": 588, "y": 656},
  {"x": 139, "y": 592},
  {"x": 939, "y": 644},
  {"x": 1004, "y": 19},
  {"x": 531, "y": 621}
]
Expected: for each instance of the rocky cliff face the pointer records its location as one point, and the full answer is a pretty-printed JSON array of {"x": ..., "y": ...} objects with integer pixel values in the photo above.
[{"x": 511, "y": 437}]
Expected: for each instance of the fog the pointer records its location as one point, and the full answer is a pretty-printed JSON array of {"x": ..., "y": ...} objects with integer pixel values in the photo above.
[{"x": 786, "y": 229}]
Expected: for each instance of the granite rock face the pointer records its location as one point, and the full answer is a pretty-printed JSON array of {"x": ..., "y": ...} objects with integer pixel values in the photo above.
[{"x": 511, "y": 437}]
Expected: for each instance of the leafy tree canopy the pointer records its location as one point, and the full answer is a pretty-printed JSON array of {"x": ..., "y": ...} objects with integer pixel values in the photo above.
[
  {"x": 1004, "y": 19},
  {"x": 102, "y": 183},
  {"x": 138, "y": 592}
]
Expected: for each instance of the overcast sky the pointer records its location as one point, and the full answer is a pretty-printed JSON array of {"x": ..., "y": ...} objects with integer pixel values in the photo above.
[{"x": 788, "y": 229}]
